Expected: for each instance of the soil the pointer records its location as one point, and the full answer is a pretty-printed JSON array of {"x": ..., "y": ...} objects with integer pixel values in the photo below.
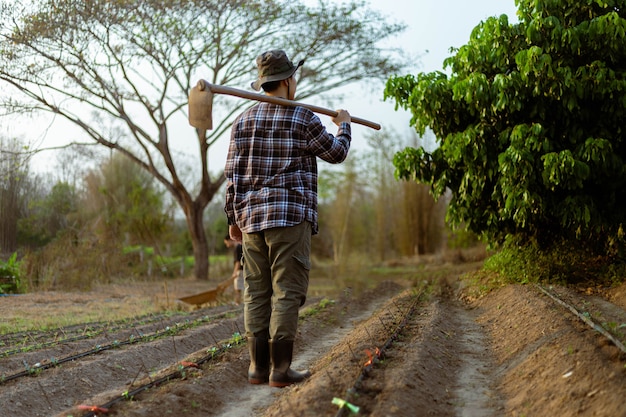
[{"x": 436, "y": 349}]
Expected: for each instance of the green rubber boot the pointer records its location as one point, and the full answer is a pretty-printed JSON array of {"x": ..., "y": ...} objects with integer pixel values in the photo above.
[
  {"x": 282, "y": 375},
  {"x": 259, "y": 370}
]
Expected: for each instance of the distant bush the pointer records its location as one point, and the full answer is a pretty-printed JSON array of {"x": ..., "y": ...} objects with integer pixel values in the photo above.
[{"x": 10, "y": 275}]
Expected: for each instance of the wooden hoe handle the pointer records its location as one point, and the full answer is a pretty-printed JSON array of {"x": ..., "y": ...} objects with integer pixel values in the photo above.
[{"x": 220, "y": 89}]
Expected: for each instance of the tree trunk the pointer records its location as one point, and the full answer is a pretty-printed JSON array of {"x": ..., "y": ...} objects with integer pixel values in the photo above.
[
  {"x": 8, "y": 222},
  {"x": 199, "y": 242},
  {"x": 9, "y": 213}
]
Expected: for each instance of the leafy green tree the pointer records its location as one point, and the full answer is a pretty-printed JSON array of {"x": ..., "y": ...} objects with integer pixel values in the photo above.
[
  {"x": 530, "y": 123},
  {"x": 121, "y": 71}
]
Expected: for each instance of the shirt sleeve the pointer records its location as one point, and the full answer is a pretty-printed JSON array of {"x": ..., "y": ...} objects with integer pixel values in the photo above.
[{"x": 332, "y": 149}]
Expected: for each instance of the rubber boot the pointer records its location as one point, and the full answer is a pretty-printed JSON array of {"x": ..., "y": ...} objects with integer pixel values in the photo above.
[
  {"x": 259, "y": 370},
  {"x": 282, "y": 375}
]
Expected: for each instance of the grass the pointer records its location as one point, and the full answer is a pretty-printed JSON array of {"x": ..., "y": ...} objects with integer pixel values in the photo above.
[
  {"x": 317, "y": 308},
  {"x": 63, "y": 314},
  {"x": 123, "y": 299}
]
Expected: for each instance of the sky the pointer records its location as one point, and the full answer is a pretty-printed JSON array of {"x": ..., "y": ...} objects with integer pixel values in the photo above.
[{"x": 433, "y": 27}]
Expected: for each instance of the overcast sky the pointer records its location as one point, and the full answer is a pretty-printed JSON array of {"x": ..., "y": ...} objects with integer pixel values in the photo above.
[
  {"x": 437, "y": 25},
  {"x": 433, "y": 27}
]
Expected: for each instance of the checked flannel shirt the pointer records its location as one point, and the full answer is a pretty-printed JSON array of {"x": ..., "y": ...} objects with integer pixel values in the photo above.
[{"x": 271, "y": 167}]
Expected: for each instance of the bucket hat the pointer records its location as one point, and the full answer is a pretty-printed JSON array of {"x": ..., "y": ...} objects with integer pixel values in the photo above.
[{"x": 274, "y": 66}]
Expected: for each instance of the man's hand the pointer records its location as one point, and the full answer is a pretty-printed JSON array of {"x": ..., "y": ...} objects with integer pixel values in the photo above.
[
  {"x": 342, "y": 116},
  {"x": 235, "y": 233}
]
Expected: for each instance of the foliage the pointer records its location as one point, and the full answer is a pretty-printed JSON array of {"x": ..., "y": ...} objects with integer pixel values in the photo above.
[
  {"x": 73, "y": 261},
  {"x": 363, "y": 210},
  {"x": 406, "y": 219},
  {"x": 10, "y": 275},
  {"x": 71, "y": 264},
  {"x": 530, "y": 126},
  {"x": 121, "y": 71},
  {"x": 171, "y": 266},
  {"x": 526, "y": 262},
  {"x": 316, "y": 309},
  {"x": 461, "y": 238},
  {"x": 14, "y": 169},
  {"x": 126, "y": 201},
  {"x": 48, "y": 215}
]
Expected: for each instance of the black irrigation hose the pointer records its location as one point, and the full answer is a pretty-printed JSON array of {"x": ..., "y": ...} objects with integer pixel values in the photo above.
[
  {"x": 179, "y": 374},
  {"x": 94, "y": 329},
  {"x": 585, "y": 318},
  {"x": 35, "y": 370},
  {"x": 91, "y": 327},
  {"x": 367, "y": 369}
]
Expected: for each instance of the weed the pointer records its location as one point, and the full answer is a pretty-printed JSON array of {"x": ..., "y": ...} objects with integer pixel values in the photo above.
[
  {"x": 316, "y": 309},
  {"x": 325, "y": 302},
  {"x": 610, "y": 326}
]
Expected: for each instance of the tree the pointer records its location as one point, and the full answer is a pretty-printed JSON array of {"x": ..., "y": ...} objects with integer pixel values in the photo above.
[
  {"x": 385, "y": 202},
  {"x": 14, "y": 170},
  {"x": 47, "y": 215},
  {"x": 407, "y": 219},
  {"x": 342, "y": 217},
  {"x": 121, "y": 71},
  {"x": 530, "y": 125},
  {"x": 126, "y": 201}
]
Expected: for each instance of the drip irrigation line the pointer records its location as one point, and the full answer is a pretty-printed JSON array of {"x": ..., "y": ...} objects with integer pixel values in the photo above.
[
  {"x": 90, "y": 326},
  {"x": 585, "y": 318},
  {"x": 179, "y": 374},
  {"x": 365, "y": 370},
  {"x": 120, "y": 325},
  {"x": 37, "y": 368}
]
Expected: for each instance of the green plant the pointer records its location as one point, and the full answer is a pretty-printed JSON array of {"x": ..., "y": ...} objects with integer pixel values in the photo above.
[
  {"x": 316, "y": 309},
  {"x": 529, "y": 126},
  {"x": 530, "y": 262},
  {"x": 10, "y": 275},
  {"x": 325, "y": 303}
]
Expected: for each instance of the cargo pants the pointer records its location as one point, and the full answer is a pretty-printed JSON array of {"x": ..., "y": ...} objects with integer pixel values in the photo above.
[{"x": 276, "y": 279}]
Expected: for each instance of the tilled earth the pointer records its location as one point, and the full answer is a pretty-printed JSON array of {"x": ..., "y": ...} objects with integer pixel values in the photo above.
[{"x": 399, "y": 349}]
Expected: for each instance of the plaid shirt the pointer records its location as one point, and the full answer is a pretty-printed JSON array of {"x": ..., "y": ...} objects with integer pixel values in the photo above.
[{"x": 271, "y": 168}]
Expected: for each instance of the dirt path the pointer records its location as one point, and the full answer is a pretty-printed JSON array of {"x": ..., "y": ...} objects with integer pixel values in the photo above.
[{"x": 513, "y": 352}]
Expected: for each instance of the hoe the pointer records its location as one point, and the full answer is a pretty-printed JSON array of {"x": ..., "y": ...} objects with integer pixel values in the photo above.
[{"x": 201, "y": 104}]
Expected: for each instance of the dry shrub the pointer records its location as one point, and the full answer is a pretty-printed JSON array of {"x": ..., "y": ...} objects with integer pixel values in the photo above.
[
  {"x": 474, "y": 253},
  {"x": 72, "y": 264}
]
